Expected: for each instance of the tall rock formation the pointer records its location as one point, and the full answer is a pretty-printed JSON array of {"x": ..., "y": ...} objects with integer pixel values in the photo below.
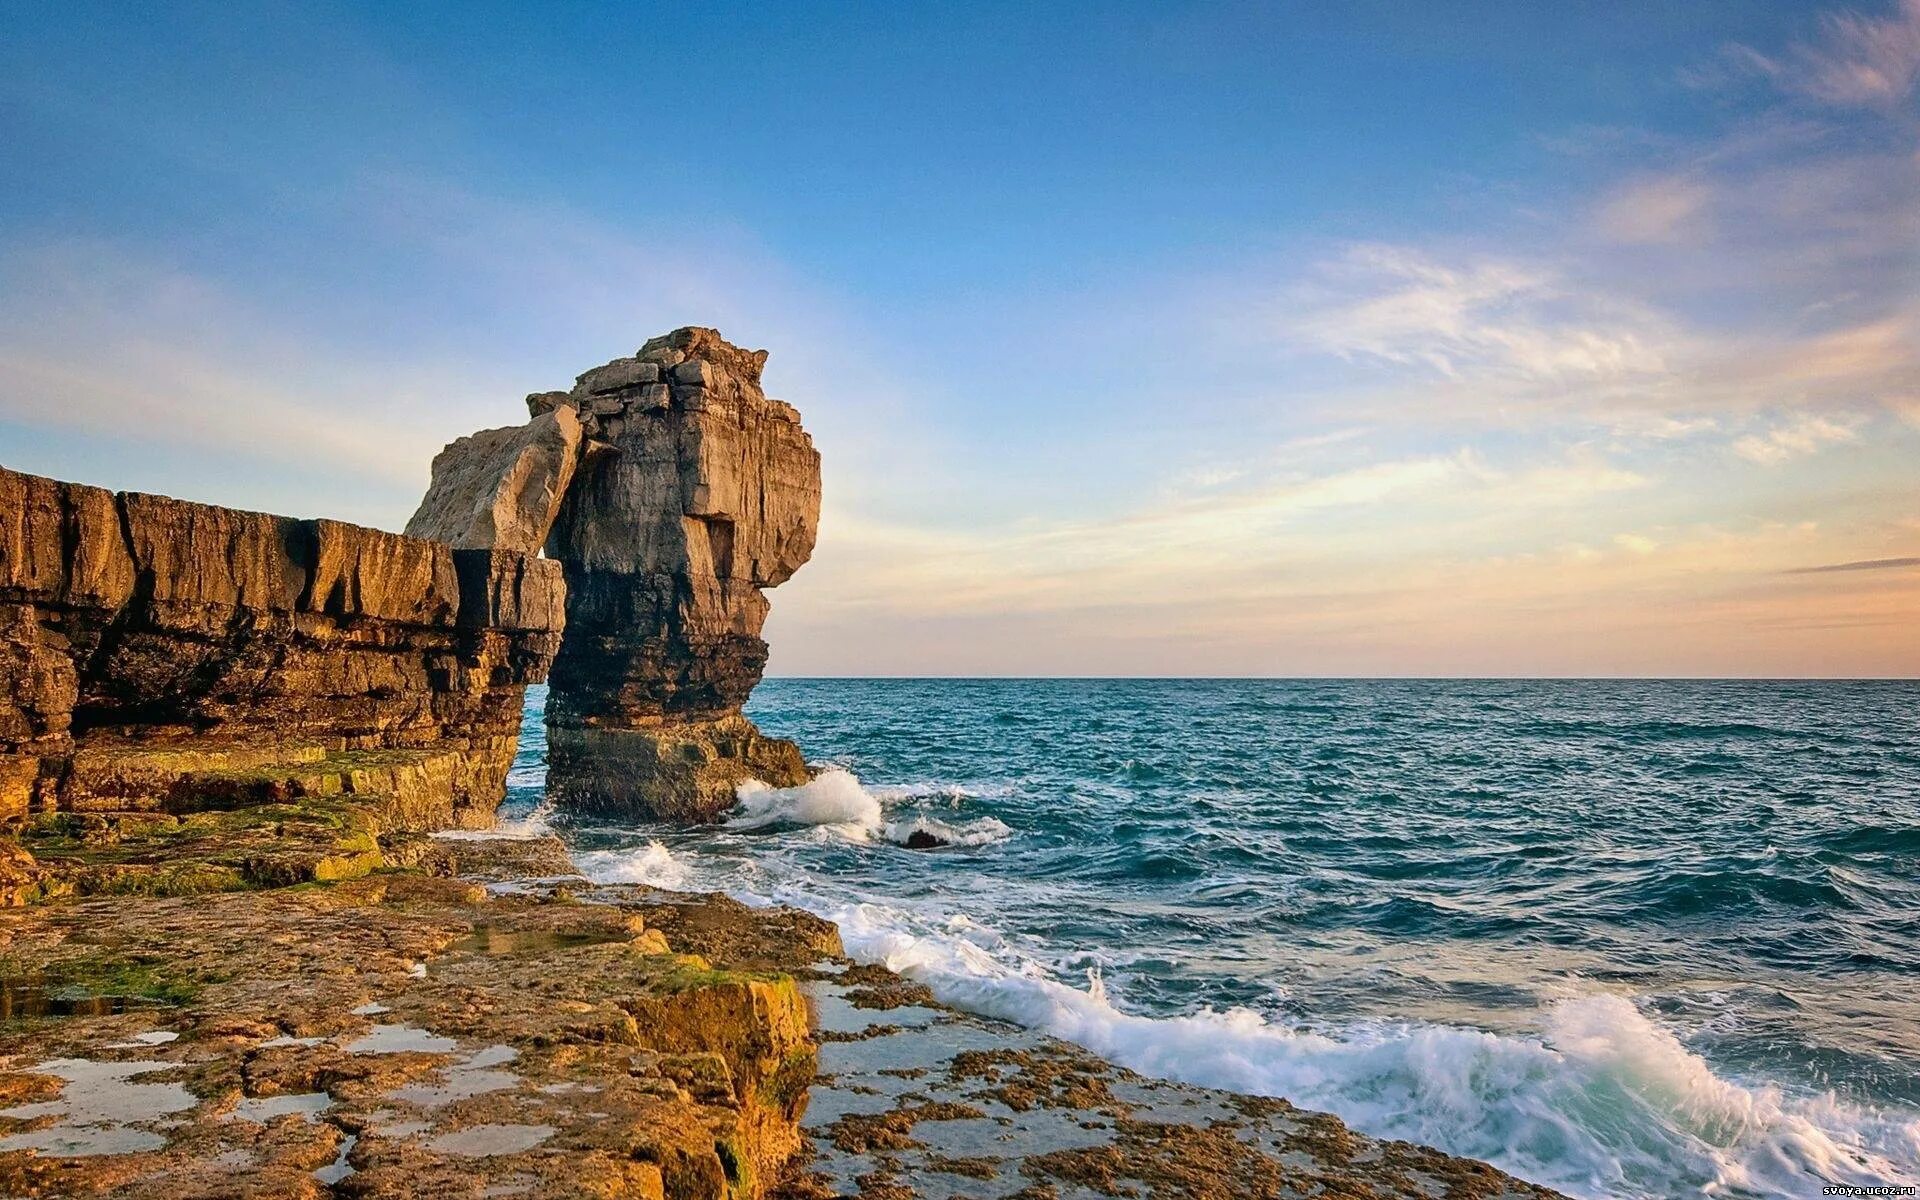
[
  {"x": 691, "y": 492},
  {"x": 161, "y": 655}
]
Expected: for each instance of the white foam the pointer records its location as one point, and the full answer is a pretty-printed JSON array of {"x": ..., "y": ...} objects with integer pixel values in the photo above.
[
  {"x": 652, "y": 864},
  {"x": 982, "y": 832},
  {"x": 837, "y": 802},
  {"x": 832, "y": 798},
  {"x": 1603, "y": 1102},
  {"x": 1600, "y": 1102}
]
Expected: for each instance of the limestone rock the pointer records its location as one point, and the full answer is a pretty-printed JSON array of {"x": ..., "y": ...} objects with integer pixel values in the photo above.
[
  {"x": 687, "y": 492},
  {"x": 712, "y": 496},
  {"x": 500, "y": 489},
  {"x": 140, "y": 635}
]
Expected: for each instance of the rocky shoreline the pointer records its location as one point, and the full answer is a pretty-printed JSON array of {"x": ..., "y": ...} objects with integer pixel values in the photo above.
[
  {"x": 256, "y": 941},
  {"x": 472, "y": 1018}
]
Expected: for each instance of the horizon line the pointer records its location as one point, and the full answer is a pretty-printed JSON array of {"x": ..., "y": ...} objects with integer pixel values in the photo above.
[{"x": 1386, "y": 678}]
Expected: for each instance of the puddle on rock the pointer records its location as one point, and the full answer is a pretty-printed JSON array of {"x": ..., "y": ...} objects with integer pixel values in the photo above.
[
  {"x": 339, "y": 1168},
  {"x": 261, "y": 1109},
  {"x": 484, "y": 1141},
  {"x": 401, "y": 1039},
  {"x": 100, "y": 1109},
  {"x": 27, "y": 996},
  {"x": 472, "y": 1076},
  {"x": 493, "y": 940},
  {"x": 388, "y": 1123}
]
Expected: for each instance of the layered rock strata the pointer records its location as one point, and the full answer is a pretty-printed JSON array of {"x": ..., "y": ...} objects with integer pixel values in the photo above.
[
  {"x": 691, "y": 493},
  {"x": 162, "y": 656}
]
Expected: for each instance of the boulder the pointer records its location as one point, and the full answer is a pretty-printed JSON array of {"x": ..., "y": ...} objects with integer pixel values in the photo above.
[{"x": 500, "y": 489}]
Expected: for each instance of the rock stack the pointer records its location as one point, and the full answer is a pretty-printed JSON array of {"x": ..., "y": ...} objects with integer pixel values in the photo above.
[{"x": 672, "y": 491}]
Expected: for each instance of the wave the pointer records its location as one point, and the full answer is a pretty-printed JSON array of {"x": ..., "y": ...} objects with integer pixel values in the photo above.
[
  {"x": 652, "y": 864},
  {"x": 1604, "y": 1102},
  {"x": 836, "y": 800},
  {"x": 1597, "y": 1096},
  {"x": 832, "y": 798}
]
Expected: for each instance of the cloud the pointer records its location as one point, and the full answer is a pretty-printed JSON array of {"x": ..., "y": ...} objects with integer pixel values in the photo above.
[
  {"x": 108, "y": 343},
  {"x": 1857, "y": 61},
  {"x": 1658, "y": 210},
  {"x": 1865, "y": 564},
  {"x": 1204, "y": 543},
  {"x": 499, "y": 297},
  {"x": 1806, "y": 433},
  {"x": 1474, "y": 316}
]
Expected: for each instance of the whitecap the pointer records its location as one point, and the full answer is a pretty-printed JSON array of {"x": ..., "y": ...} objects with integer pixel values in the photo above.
[
  {"x": 1603, "y": 1102},
  {"x": 836, "y": 802},
  {"x": 832, "y": 798},
  {"x": 652, "y": 864},
  {"x": 982, "y": 832}
]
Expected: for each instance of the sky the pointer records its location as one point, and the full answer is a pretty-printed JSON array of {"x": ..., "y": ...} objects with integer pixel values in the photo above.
[{"x": 1138, "y": 339}]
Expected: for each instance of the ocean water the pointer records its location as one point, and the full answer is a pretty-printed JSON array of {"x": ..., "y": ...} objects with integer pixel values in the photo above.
[{"x": 1625, "y": 938}]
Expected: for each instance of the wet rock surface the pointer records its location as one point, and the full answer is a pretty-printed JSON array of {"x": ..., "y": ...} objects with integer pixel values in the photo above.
[
  {"x": 915, "y": 1100},
  {"x": 483, "y": 1021},
  {"x": 396, "y": 1035}
]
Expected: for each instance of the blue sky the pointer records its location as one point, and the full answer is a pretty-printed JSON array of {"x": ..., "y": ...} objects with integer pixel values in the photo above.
[{"x": 1226, "y": 338}]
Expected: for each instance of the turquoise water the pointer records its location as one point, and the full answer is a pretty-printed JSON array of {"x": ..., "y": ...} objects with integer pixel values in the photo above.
[{"x": 1625, "y": 938}]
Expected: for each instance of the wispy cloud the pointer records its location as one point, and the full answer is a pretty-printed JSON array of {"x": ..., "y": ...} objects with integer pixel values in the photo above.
[
  {"x": 1663, "y": 209},
  {"x": 108, "y": 343},
  {"x": 1477, "y": 316},
  {"x": 1803, "y": 434},
  {"x": 1865, "y": 564},
  {"x": 1857, "y": 60}
]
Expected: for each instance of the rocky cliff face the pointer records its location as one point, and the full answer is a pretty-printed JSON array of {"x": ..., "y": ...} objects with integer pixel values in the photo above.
[
  {"x": 691, "y": 494},
  {"x": 156, "y": 653},
  {"x": 501, "y": 488}
]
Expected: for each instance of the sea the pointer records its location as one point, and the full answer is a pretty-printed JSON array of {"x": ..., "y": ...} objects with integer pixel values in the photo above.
[{"x": 1624, "y": 938}]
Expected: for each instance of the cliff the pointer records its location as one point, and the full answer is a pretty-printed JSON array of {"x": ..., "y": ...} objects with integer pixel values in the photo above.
[
  {"x": 686, "y": 493},
  {"x": 161, "y": 656},
  {"x": 223, "y": 738}
]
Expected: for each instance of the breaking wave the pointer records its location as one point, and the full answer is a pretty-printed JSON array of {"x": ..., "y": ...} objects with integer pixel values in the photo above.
[
  {"x": 652, "y": 864},
  {"x": 1628, "y": 939},
  {"x": 1602, "y": 1102},
  {"x": 835, "y": 800}
]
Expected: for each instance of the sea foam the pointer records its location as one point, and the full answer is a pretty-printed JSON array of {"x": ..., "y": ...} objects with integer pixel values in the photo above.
[
  {"x": 652, "y": 864},
  {"x": 1603, "y": 1102},
  {"x": 835, "y": 800},
  {"x": 1599, "y": 1100}
]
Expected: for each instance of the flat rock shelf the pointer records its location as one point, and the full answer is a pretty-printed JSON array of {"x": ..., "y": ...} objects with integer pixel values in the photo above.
[{"x": 486, "y": 1022}]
